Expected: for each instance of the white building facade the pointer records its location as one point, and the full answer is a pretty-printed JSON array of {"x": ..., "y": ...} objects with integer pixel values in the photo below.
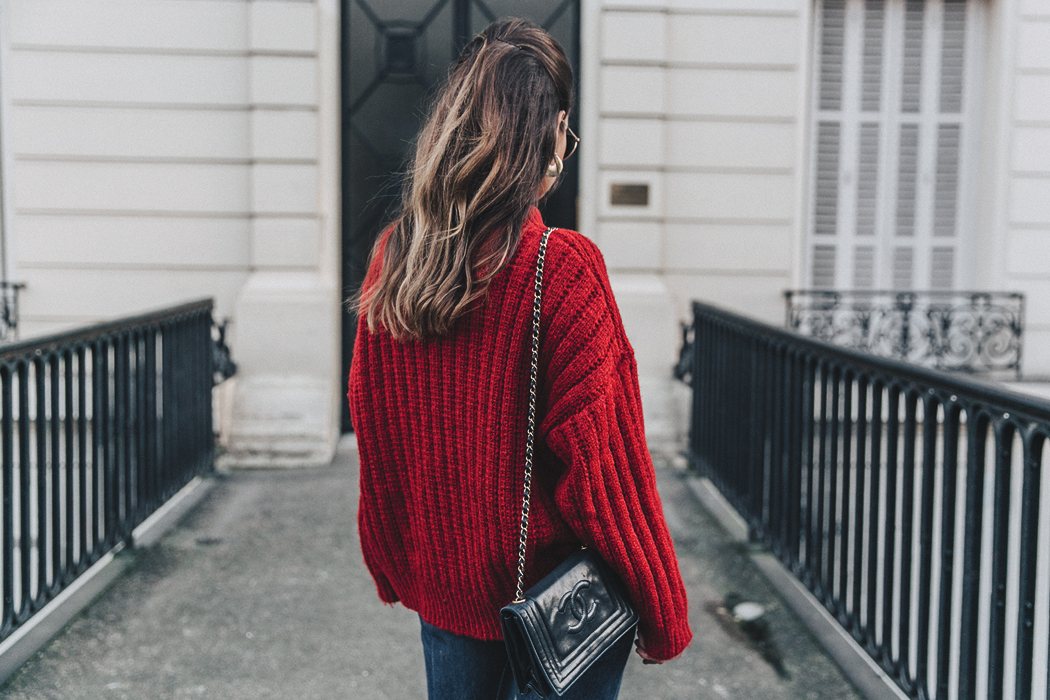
[{"x": 156, "y": 151}]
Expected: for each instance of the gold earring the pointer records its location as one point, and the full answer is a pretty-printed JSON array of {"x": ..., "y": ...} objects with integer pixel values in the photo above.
[{"x": 556, "y": 166}]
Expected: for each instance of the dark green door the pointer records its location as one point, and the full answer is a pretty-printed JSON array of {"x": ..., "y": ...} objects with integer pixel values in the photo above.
[{"x": 393, "y": 53}]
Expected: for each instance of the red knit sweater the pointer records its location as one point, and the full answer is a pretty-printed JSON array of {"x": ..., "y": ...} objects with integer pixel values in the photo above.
[{"x": 441, "y": 431}]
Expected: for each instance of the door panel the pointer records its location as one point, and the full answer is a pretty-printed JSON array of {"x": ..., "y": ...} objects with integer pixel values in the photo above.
[{"x": 393, "y": 55}]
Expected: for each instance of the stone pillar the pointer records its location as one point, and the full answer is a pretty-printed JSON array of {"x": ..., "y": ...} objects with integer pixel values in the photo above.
[
  {"x": 286, "y": 341},
  {"x": 624, "y": 113}
]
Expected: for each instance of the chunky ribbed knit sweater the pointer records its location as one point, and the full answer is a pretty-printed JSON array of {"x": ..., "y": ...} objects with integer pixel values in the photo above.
[{"x": 441, "y": 430}]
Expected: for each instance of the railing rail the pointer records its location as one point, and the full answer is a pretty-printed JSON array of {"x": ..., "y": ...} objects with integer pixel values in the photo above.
[
  {"x": 98, "y": 427},
  {"x": 906, "y": 500},
  {"x": 958, "y": 331}
]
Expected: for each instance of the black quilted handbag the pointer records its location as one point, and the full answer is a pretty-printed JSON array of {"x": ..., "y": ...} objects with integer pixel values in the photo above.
[{"x": 558, "y": 628}]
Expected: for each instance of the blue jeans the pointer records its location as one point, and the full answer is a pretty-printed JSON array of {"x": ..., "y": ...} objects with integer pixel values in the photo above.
[{"x": 461, "y": 668}]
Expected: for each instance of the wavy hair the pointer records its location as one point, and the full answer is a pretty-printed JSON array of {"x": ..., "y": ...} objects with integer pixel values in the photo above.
[{"x": 480, "y": 159}]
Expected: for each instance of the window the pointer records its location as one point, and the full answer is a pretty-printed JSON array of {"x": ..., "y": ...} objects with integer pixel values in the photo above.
[{"x": 892, "y": 136}]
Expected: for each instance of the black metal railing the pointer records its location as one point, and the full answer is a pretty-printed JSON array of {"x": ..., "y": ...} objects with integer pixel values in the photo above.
[
  {"x": 98, "y": 427},
  {"x": 9, "y": 311},
  {"x": 906, "y": 500},
  {"x": 978, "y": 332}
]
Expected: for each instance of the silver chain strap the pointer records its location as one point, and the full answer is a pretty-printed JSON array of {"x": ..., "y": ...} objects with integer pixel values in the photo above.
[{"x": 530, "y": 436}]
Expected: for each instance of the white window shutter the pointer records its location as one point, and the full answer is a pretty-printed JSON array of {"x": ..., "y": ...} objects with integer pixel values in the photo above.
[
  {"x": 867, "y": 179},
  {"x": 942, "y": 268},
  {"x": 903, "y": 259},
  {"x": 874, "y": 27},
  {"x": 953, "y": 56},
  {"x": 911, "y": 75},
  {"x": 864, "y": 267},
  {"x": 823, "y": 267},
  {"x": 827, "y": 205},
  {"x": 892, "y": 135},
  {"x": 946, "y": 193},
  {"x": 907, "y": 179},
  {"x": 831, "y": 55}
]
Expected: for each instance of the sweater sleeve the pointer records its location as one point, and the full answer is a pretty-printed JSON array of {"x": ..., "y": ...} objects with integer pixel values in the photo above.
[
  {"x": 368, "y": 509},
  {"x": 607, "y": 491}
]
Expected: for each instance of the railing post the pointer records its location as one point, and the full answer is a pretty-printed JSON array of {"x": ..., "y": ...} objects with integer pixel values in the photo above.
[
  {"x": 809, "y": 466},
  {"x": 207, "y": 376},
  {"x": 1032, "y": 461},
  {"x": 150, "y": 420},
  {"x": 40, "y": 396},
  {"x": 947, "y": 564},
  {"x": 69, "y": 560},
  {"x": 82, "y": 452},
  {"x": 855, "y": 627},
  {"x": 24, "y": 495},
  {"x": 976, "y": 442},
  {"x": 871, "y": 643},
  {"x": 55, "y": 553},
  {"x": 930, "y": 424},
  {"x": 847, "y": 468},
  {"x": 907, "y": 524},
  {"x": 7, "y": 619},
  {"x": 889, "y": 519}
]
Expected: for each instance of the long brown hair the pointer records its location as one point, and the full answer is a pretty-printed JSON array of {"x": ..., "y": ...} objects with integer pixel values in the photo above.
[{"x": 480, "y": 159}]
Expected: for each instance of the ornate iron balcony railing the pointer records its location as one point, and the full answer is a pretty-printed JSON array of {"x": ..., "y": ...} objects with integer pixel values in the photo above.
[
  {"x": 9, "y": 311},
  {"x": 974, "y": 332}
]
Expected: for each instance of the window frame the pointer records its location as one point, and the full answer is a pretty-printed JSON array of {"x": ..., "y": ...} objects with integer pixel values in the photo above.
[{"x": 889, "y": 118}]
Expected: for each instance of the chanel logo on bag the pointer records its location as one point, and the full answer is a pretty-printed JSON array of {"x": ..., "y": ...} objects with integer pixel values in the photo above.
[{"x": 576, "y": 603}]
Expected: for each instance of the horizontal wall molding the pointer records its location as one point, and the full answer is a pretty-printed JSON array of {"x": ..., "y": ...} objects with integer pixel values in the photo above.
[
  {"x": 137, "y": 241},
  {"x": 626, "y": 218},
  {"x": 680, "y": 11},
  {"x": 709, "y": 271},
  {"x": 148, "y": 160},
  {"x": 1015, "y": 277},
  {"x": 690, "y": 170},
  {"x": 689, "y": 65},
  {"x": 56, "y": 319},
  {"x": 158, "y": 267},
  {"x": 86, "y": 293},
  {"x": 725, "y": 272},
  {"x": 194, "y": 106},
  {"x": 157, "y": 51},
  {"x": 728, "y": 119},
  {"x": 725, "y": 11},
  {"x": 167, "y": 214},
  {"x": 135, "y": 267},
  {"x": 1030, "y": 226}
]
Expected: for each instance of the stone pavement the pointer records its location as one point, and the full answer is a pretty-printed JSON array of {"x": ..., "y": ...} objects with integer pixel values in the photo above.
[{"x": 261, "y": 592}]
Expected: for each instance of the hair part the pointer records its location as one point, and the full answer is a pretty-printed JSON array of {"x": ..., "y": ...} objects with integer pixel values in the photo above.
[{"x": 480, "y": 159}]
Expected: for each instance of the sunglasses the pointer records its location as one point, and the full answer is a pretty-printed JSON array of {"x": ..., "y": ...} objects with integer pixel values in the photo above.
[{"x": 575, "y": 142}]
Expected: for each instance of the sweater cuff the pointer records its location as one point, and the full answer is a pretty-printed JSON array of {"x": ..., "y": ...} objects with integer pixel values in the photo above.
[{"x": 665, "y": 644}]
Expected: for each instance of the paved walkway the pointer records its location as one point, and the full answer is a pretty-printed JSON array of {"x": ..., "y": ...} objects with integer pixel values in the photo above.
[{"x": 261, "y": 593}]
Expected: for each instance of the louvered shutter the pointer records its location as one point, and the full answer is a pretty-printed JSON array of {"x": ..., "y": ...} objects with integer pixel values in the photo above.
[{"x": 890, "y": 143}]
